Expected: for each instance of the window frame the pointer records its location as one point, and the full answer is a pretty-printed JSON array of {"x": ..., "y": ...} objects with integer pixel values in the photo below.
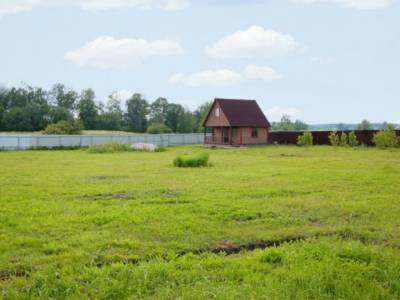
[{"x": 254, "y": 132}]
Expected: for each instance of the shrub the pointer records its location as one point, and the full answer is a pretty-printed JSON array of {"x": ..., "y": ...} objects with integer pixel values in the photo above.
[
  {"x": 192, "y": 161},
  {"x": 334, "y": 138},
  {"x": 353, "y": 141},
  {"x": 110, "y": 148},
  {"x": 344, "y": 139},
  {"x": 386, "y": 138},
  {"x": 306, "y": 139},
  {"x": 64, "y": 127},
  {"x": 157, "y": 128}
]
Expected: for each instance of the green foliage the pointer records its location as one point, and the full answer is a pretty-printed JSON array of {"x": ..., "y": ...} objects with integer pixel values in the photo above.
[
  {"x": 88, "y": 111},
  {"x": 64, "y": 127},
  {"x": 364, "y": 125},
  {"x": 286, "y": 124},
  {"x": 110, "y": 148},
  {"x": 136, "y": 116},
  {"x": 191, "y": 161},
  {"x": 344, "y": 139},
  {"x": 305, "y": 140},
  {"x": 386, "y": 138},
  {"x": 334, "y": 139},
  {"x": 353, "y": 141},
  {"x": 157, "y": 128}
]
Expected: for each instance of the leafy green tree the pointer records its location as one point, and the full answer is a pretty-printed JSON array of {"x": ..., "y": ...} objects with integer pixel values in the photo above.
[
  {"x": 386, "y": 138},
  {"x": 113, "y": 117},
  {"x": 87, "y": 109},
  {"x": 300, "y": 125},
  {"x": 364, "y": 125},
  {"x": 136, "y": 116},
  {"x": 334, "y": 138},
  {"x": 344, "y": 139},
  {"x": 186, "y": 122},
  {"x": 172, "y": 116},
  {"x": 305, "y": 140},
  {"x": 286, "y": 124},
  {"x": 158, "y": 128},
  {"x": 158, "y": 110},
  {"x": 61, "y": 96},
  {"x": 353, "y": 141},
  {"x": 200, "y": 114}
]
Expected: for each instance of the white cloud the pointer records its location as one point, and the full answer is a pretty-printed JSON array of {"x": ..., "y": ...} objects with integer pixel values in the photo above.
[
  {"x": 253, "y": 42},
  {"x": 276, "y": 113},
  {"x": 98, "y": 5},
  {"x": 107, "y": 52},
  {"x": 213, "y": 78},
  {"x": 261, "y": 72},
  {"x": 365, "y": 4},
  {"x": 355, "y": 4},
  {"x": 18, "y": 6}
]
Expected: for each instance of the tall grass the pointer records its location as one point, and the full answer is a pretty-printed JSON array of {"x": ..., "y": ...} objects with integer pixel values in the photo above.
[
  {"x": 110, "y": 148},
  {"x": 192, "y": 161}
]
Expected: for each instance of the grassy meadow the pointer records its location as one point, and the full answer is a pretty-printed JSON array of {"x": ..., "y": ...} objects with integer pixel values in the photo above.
[{"x": 277, "y": 222}]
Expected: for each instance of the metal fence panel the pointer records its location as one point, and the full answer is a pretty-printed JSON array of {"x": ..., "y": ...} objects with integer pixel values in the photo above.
[{"x": 21, "y": 142}]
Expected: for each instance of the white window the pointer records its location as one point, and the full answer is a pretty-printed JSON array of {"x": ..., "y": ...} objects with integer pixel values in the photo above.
[{"x": 217, "y": 112}]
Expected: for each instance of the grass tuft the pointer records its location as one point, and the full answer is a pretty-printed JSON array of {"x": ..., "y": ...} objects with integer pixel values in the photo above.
[
  {"x": 110, "y": 148},
  {"x": 192, "y": 161}
]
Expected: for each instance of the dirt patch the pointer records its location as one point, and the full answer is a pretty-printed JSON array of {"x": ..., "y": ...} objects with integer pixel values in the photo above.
[
  {"x": 135, "y": 195},
  {"x": 232, "y": 248},
  {"x": 106, "y": 178},
  {"x": 170, "y": 202},
  {"x": 10, "y": 274}
]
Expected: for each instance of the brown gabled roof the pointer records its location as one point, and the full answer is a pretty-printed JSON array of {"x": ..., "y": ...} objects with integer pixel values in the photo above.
[{"x": 241, "y": 113}]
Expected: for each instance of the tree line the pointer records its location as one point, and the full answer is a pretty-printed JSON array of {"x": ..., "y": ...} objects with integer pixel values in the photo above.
[{"x": 33, "y": 109}]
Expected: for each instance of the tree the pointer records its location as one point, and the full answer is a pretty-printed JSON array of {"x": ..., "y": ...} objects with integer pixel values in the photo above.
[
  {"x": 136, "y": 116},
  {"x": 286, "y": 124},
  {"x": 200, "y": 114},
  {"x": 172, "y": 116},
  {"x": 353, "y": 141},
  {"x": 334, "y": 138},
  {"x": 158, "y": 128},
  {"x": 305, "y": 140},
  {"x": 186, "y": 122},
  {"x": 299, "y": 125},
  {"x": 112, "y": 118},
  {"x": 158, "y": 110},
  {"x": 344, "y": 139},
  {"x": 63, "y": 97},
  {"x": 87, "y": 110},
  {"x": 364, "y": 125}
]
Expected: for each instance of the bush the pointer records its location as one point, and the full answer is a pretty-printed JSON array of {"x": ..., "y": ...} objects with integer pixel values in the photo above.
[
  {"x": 64, "y": 127},
  {"x": 110, "y": 148},
  {"x": 157, "y": 128},
  {"x": 192, "y": 161},
  {"x": 344, "y": 139},
  {"x": 305, "y": 140},
  {"x": 386, "y": 138},
  {"x": 334, "y": 138},
  {"x": 353, "y": 141}
]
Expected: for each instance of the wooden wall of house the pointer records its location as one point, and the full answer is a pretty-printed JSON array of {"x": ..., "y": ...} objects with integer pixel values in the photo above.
[{"x": 247, "y": 139}]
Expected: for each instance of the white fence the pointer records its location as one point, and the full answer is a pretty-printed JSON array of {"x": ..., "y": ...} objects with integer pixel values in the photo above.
[{"x": 23, "y": 142}]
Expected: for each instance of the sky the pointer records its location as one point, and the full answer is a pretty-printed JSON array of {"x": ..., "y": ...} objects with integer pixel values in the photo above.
[{"x": 321, "y": 61}]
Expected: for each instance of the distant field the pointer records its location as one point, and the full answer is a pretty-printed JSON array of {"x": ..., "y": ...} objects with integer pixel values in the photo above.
[{"x": 130, "y": 225}]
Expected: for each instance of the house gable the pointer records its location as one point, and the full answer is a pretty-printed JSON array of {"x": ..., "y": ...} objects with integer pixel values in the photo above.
[{"x": 216, "y": 117}]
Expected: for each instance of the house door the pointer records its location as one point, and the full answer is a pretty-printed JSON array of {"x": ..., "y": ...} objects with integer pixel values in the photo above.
[
  {"x": 225, "y": 135},
  {"x": 235, "y": 136}
]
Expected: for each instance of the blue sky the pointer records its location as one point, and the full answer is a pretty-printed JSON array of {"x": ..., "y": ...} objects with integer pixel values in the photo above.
[{"x": 318, "y": 60}]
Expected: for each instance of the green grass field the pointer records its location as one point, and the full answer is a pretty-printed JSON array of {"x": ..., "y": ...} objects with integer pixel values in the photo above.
[{"x": 276, "y": 222}]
